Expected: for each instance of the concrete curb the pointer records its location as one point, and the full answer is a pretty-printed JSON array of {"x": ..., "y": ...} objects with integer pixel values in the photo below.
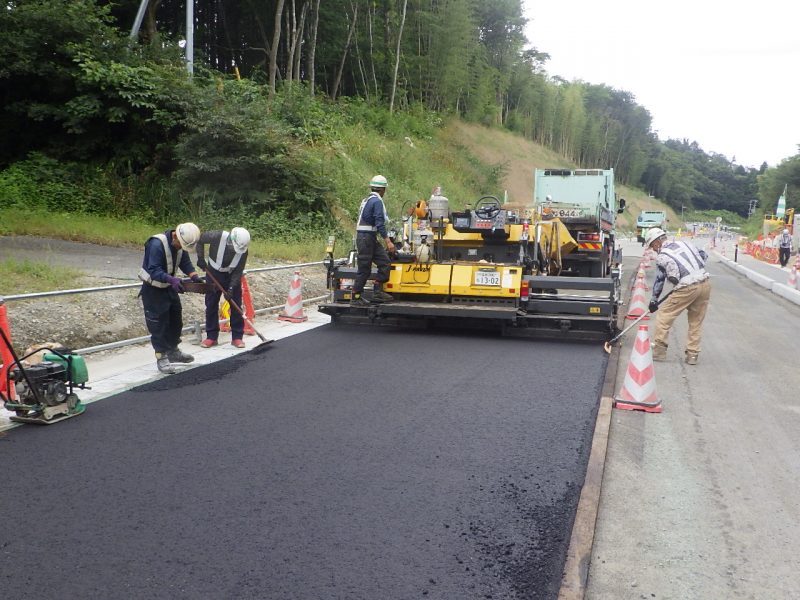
[{"x": 781, "y": 289}]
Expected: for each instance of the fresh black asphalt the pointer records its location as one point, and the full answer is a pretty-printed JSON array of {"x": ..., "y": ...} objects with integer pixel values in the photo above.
[{"x": 344, "y": 463}]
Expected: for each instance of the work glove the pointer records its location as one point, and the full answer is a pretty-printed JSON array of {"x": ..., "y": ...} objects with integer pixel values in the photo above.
[
  {"x": 175, "y": 283},
  {"x": 653, "y": 307},
  {"x": 196, "y": 278}
]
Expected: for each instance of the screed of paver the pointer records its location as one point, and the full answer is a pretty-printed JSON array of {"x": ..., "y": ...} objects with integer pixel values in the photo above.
[{"x": 352, "y": 463}]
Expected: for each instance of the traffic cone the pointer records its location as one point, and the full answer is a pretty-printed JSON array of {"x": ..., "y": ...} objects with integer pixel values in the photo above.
[
  {"x": 6, "y": 358},
  {"x": 639, "y": 388},
  {"x": 249, "y": 311},
  {"x": 293, "y": 311},
  {"x": 638, "y": 305},
  {"x": 641, "y": 279}
]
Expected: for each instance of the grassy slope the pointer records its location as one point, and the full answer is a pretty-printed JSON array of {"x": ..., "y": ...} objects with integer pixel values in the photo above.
[
  {"x": 521, "y": 157},
  {"x": 461, "y": 157}
]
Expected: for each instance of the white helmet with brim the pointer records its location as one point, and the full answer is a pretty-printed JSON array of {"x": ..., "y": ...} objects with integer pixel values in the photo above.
[
  {"x": 653, "y": 234},
  {"x": 188, "y": 235}
]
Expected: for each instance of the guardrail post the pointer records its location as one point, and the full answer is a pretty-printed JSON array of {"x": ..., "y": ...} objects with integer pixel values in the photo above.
[{"x": 736, "y": 253}]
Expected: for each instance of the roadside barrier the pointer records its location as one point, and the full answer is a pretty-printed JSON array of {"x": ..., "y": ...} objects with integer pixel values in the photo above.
[
  {"x": 638, "y": 306},
  {"x": 6, "y": 358},
  {"x": 639, "y": 388},
  {"x": 293, "y": 311}
]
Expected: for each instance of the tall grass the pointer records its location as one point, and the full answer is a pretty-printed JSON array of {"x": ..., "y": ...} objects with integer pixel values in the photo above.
[{"x": 25, "y": 277}]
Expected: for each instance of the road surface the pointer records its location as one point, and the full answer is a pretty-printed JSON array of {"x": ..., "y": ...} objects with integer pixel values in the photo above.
[{"x": 348, "y": 463}]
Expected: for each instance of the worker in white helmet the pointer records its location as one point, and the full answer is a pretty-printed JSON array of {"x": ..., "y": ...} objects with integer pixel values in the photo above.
[
  {"x": 683, "y": 265},
  {"x": 164, "y": 254},
  {"x": 371, "y": 226},
  {"x": 784, "y": 246},
  {"x": 227, "y": 257}
]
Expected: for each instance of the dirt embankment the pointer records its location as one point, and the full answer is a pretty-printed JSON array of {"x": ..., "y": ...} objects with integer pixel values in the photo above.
[{"x": 83, "y": 320}]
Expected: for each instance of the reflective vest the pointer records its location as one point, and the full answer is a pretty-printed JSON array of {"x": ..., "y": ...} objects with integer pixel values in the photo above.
[
  {"x": 217, "y": 264},
  {"x": 144, "y": 274},
  {"x": 688, "y": 260},
  {"x": 786, "y": 240},
  {"x": 363, "y": 226}
]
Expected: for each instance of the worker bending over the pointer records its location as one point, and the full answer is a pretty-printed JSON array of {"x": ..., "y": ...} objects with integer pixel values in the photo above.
[
  {"x": 683, "y": 265},
  {"x": 372, "y": 220},
  {"x": 227, "y": 257},
  {"x": 164, "y": 253}
]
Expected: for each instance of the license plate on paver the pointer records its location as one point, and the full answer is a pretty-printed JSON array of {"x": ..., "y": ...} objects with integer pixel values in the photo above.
[{"x": 487, "y": 278}]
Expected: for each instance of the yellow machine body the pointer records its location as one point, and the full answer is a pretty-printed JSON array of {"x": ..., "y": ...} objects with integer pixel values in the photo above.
[{"x": 484, "y": 280}]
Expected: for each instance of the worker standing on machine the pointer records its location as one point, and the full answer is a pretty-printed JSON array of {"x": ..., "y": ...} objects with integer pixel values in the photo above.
[
  {"x": 683, "y": 265},
  {"x": 227, "y": 257},
  {"x": 164, "y": 253},
  {"x": 372, "y": 220}
]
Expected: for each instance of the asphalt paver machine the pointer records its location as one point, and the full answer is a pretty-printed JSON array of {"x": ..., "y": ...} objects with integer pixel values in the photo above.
[{"x": 494, "y": 265}]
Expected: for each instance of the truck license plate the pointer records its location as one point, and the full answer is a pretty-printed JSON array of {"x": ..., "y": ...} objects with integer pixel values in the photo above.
[{"x": 487, "y": 278}]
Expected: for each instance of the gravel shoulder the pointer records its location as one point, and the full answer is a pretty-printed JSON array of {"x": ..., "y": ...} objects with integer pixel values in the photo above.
[{"x": 83, "y": 320}]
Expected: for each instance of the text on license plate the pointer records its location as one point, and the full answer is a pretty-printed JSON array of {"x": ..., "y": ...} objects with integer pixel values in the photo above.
[{"x": 487, "y": 278}]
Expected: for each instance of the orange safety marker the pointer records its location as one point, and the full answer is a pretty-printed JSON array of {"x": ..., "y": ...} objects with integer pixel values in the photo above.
[
  {"x": 248, "y": 309},
  {"x": 293, "y": 311},
  {"x": 638, "y": 305},
  {"x": 225, "y": 315},
  {"x": 5, "y": 354},
  {"x": 639, "y": 388}
]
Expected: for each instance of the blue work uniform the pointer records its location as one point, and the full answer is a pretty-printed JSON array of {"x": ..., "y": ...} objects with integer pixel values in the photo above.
[
  {"x": 163, "y": 313},
  {"x": 226, "y": 266},
  {"x": 372, "y": 221}
]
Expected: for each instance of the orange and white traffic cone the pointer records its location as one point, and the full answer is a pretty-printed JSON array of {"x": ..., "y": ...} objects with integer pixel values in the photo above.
[
  {"x": 247, "y": 307},
  {"x": 293, "y": 311},
  {"x": 793, "y": 277},
  {"x": 639, "y": 388},
  {"x": 641, "y": 280},
  {"x": 638, "y": 306},
  {"x": 6, "y": 357}
]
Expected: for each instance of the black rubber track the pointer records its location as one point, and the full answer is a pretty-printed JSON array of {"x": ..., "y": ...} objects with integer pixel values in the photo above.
[{"x": 343, "y": 463}]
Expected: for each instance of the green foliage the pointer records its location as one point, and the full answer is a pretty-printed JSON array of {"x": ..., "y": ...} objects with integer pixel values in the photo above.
[{"x": 27, "y": 277}]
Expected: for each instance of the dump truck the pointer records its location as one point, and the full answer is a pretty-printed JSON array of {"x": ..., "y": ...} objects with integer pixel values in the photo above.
[
  {"x": 648, "y": 219},
  {"x": 585, "y": 201},
  {"x": 490, "y": 264}
]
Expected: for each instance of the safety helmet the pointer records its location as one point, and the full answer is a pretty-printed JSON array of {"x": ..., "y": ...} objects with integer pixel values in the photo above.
[
  {"x": 653, "y": 234},
  {"x": 379, "y": 181},
  {"x": 785, "y": 230},
  {"x": 549, "y": 198},
  {"x": 240, "y": 239},
  {"x": 188, "y": 235}
]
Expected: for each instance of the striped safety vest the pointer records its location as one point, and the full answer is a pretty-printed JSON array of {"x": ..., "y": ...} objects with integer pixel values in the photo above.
[
  {"x": 688, "y": 260},
  {"x": 217, "y": 264},
  {"x": 363, "y": 226},
  {"x": 144, "y": 275}
]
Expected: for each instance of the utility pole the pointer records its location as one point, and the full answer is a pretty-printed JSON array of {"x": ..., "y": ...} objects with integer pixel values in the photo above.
[
  {"x": 137, "y": 23},
  {"x": 682, "y": 209},
  {"x": 190, "y": 36}
]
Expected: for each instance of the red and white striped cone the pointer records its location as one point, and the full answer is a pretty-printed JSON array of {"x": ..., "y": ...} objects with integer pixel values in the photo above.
[
  {"x": 638, "y": 306},
  {"x": 793, "y": 277},
  {"x": 639, "y": 388},
  {"x": 641, "y": 280},
  {"x": 293, "y": 311},
  {"x": 247, "y": 307}
]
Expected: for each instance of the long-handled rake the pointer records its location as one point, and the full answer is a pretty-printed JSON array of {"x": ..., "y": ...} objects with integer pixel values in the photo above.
[
  {"x": 264, "y": 341},
  {"x": 607, "y": 345}
]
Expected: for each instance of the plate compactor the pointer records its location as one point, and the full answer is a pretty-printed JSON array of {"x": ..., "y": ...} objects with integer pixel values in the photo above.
[{"x": 45, "y": 392}]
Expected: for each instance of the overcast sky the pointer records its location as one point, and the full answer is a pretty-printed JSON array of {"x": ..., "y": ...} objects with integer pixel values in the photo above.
[{"x": 706, "y": 70}]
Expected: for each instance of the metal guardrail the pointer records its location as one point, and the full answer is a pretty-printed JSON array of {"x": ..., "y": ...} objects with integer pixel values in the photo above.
[
  {"x": 196, "y": 328},
  {"x": 124, "y": 286}
]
